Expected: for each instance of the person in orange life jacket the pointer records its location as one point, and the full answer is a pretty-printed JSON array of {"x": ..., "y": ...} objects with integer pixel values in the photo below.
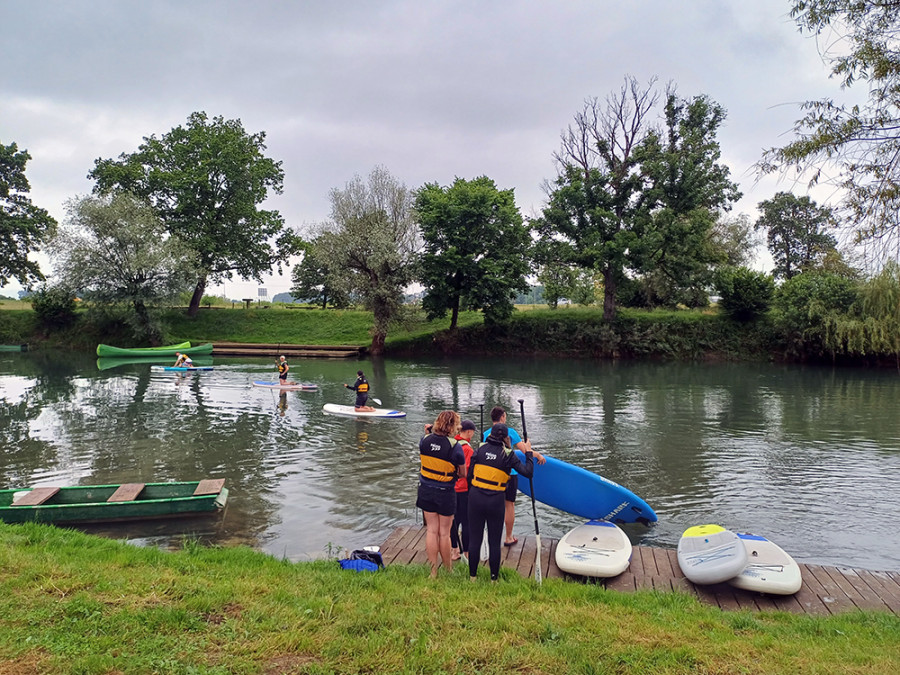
[
  {"x": 183, "y": 360},
  {"x": 283, "y": 369},
  {"x": 361, "y": 387},
  {"x": 461, "y": 519},
  {"x": 442, "y": 461},
  {"x": 498, "y": 415},
  {"x": 488, "y": 475}
]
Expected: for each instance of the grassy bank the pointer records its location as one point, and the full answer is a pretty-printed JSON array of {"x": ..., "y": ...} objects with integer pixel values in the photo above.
[
  {"x": 73, "y": 603},
  {"x": 567, "y": 332}
]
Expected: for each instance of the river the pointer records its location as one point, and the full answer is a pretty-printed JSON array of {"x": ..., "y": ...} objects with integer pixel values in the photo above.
[{"x": 806, "y": 456}]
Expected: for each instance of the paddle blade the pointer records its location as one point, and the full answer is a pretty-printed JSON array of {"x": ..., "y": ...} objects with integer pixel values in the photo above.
[
  {"x": 376, "y": 400},
  {"x": 537, "y": 560}
]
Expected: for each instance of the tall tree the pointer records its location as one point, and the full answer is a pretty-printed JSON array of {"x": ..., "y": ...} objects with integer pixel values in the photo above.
[
  {"x": 115, "y": 250},
  {"x": 796, "y": 235},
  {"x": 313, "y": 281},
  {"x": 595, "y": 198},
  {"x": 735, "y": 239},
  {"x": 371, "y": 244},
  {"x": 206, "y": 181},
  {"x": 688, "y": 188},
  {"x": 476, "y": 246},
  {"x": 23, "y": 226},
  {"x": 859, "y": 142}
]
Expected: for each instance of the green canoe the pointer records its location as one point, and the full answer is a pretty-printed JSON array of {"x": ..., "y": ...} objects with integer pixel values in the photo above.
[
  {"x": 13, "y": 348},
  {"x": 184, "y": 348},
  {"x": 106, "y": 503}
]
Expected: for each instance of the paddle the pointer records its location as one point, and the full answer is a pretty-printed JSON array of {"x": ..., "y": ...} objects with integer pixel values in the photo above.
[{"x": 537, "y": 532}]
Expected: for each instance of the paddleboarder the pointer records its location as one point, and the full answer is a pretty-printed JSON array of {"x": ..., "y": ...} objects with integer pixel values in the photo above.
[
  {"x": 361, "y": 387},
  {"x": 441, "y": 458},
  {"x": 498, "y": 416},
  {"x": 488, "y": 476},
  {"x": 283, "y": 369},
  {"x": 183, "y": 360},
  {"x": 459, "y": 531}
]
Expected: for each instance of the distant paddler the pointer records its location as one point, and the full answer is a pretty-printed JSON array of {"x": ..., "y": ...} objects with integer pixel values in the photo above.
[
  {"x": 183, "y": 361},
  {"x": 283, "y": 369}
]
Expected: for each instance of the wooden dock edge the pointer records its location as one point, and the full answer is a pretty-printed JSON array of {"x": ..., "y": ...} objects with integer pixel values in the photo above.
[{"x": 826, "y": 590}]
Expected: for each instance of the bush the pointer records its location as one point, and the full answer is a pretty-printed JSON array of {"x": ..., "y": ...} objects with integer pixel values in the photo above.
[
  {"x": 745, "y": 294},
  {"x": 803, "y": 305},
  {"x": 54, "y": 307}
]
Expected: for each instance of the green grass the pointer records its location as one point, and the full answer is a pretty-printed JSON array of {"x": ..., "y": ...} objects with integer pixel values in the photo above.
[{"x": 74, "y": 603}]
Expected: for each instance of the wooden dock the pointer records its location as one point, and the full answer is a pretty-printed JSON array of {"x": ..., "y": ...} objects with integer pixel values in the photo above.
[
  {"x": 826, "y": 589},
  {"x": 276, "y": 350}
]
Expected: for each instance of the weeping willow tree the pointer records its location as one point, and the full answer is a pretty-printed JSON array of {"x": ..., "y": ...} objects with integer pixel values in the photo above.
[{"x": 872, "y": 327}]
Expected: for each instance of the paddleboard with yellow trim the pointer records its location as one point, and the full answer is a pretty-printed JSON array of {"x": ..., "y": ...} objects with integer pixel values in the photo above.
[
  {"x": 710, "y": 554},
  {"x": 769, "y": 568},
  {"x": 596, "y": 548}
]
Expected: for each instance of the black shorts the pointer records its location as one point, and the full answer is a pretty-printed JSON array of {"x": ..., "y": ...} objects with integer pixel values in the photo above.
[
  {"x": 361, "y": 400},
  {"x": 283, "y": 377},
  {"x": 512, "y": 487},
  {"x": 433, "y": 499}
]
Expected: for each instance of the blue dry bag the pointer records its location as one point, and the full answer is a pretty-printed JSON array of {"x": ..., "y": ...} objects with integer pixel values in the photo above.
[{"x": 362, "y": 561}]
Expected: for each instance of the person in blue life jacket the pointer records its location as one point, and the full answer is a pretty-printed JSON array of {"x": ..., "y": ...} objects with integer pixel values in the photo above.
[
  {"x": 283, "y": 369},
  {"x": 498, "y": 416},
  {"x": 442, "y": 462},
  {"x": 361, "y": 387},
  {"x": 488, "y": 476}
]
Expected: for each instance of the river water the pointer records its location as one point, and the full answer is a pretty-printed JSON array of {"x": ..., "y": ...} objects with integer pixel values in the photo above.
[{"x": 807, "y": 456}]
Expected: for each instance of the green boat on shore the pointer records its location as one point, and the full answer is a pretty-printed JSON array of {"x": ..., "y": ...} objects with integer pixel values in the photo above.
[
  {"x": 13, "y": 348},
  {"x": 131, "y": 352},
  {"x": 110, "y": 503}
]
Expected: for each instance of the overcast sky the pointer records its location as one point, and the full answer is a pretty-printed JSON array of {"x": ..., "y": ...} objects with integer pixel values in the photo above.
[{"x": 430, "y": 89}]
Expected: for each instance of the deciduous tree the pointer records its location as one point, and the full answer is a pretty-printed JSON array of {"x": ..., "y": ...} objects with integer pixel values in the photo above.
[
  {"x": 476, "y": 248},
  {"x": 115, "y": 250},
  {"x": 23, "y": 226},
  {"x": 796, "y": 232},
  {"x": 314, "y": 282},
  {"x": 206, "y": 180},
  {"x": 371, "y": 244}
]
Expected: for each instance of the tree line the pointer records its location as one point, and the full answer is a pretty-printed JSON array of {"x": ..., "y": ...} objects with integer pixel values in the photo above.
[{"x": 638, "y": 215}]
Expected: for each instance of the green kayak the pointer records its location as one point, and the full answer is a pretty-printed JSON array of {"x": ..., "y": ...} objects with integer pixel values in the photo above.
[{"x": 124, "y": 352}]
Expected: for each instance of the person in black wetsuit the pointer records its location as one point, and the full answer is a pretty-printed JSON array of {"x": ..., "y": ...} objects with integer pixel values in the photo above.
[
  {"x": 361, "y": 387},
  {"x": 488, "y": 475},
  {"x": 441, "y": 457}
]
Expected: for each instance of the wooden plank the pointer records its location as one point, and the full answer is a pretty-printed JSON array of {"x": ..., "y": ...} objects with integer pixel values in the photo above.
[
  {"x": 545, "y": 556},
  {"x": 648, "y": 559},
  {"x": 811, "y": 595},
  {"x": 553, "y": 571},
  {"x": 831, "y": 594},
  {"x": 209, "y": 486},
  {"x": 787, "y": 603},
  {"x": 127, "y": 492},
  {"x": 888, "y": 592},
  {"x": 663, "y": 564},
  {"x": 858, "y": 591},
  {"x": 36, "y": 497},
  {"x": 527, "y": 557},
  {"x": 623, "y": 583},
  {"x": 394, "y": 537}
]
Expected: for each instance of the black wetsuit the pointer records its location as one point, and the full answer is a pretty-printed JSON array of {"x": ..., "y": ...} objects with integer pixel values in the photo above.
[
  {"x": 488, "y": 474},
  {"x": 361, "y": 387}
]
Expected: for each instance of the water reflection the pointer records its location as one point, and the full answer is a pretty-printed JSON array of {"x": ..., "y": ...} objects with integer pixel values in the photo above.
[{"x": 802, "y": 455}]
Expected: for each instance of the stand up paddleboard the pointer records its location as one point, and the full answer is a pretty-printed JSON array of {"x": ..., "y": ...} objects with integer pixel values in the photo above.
[
  {"x": 595, "y": 549},
  {"x": 710, "y": 554},
  {"x": 577, "y": 491},
  {"x": 769, "y": 569},
  {"x": 350, "y": 411},
  {"x": 293, "y": 386},
  {"x": 179, "y": 369}
]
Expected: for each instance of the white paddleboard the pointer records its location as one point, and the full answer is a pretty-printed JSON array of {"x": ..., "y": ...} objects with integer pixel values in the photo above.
[
  {"x": 292, "y": 386},
  {"x": 179, "y": 369},
  {"x": 769, "y": 568},
  {"x": 595, "y": 549},
  {"x": 710, "y": 554},
  {"x": 350, "y": 411}
]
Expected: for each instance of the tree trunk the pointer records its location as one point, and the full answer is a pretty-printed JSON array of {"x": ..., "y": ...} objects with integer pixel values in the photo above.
[
  {"x": 199, "y": 290},
  {"x": 143, "y": 317},
  {"x": 454, "y": 316},
  {"x": 609, "y": 294}
]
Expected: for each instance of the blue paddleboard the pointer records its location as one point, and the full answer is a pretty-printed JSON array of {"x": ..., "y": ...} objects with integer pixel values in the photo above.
[
  {"x": 577, "y": 491},
  {"x": 180, "y": 369}
]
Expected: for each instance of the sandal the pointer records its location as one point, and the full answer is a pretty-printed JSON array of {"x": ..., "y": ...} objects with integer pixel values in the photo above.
[{"x": 511, "y": 543}]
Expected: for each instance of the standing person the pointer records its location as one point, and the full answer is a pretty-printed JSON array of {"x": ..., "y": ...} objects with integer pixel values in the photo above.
[
  {"x": 441, "y": 457},
  {"x": 361, "y": 387},
  {"x": 498, "y": 416},
  {"x": 459, "y": 543},
  {"x": 489, "y": 474},
  {"x": 283, "y": 369}
]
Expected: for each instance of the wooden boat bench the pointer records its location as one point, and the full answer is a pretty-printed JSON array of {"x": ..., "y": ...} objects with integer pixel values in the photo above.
[
  {"x": 127, "y": 492},
  {"x": 209, "y": 486},
  {"x": 36, "y": 496}
]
